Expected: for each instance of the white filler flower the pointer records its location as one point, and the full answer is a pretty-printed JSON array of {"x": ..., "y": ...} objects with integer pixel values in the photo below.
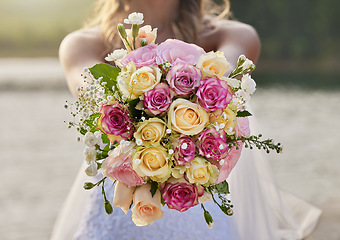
[
  {"x": 116, "y": 55},
  {"x": 134, "y": 18},
  {"x": 248, "y": 84}
]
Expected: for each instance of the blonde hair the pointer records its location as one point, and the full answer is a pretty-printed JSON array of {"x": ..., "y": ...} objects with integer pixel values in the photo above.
[{"x": 108, "y": 13}]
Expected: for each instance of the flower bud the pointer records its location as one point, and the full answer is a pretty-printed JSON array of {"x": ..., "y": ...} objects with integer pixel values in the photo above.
[
  {"x": 88, "y": 185},
  {"x": 208, "y": 219},
  {"x": 135, "y": 30},
  {"x": 108, "y": 207},
  {"x": 121, "y": 30}
]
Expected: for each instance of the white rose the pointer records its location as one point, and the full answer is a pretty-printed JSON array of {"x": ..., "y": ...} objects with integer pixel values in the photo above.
[
  {"x": 248, "y": 84},
  {"x": 134, "y": 18}
]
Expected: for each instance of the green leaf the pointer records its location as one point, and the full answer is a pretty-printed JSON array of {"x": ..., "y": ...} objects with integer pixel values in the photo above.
[
  {"x": 83, "y": 131},
  {"x": 108, "y": 72},
  {"x": 243, "y": 114},
  {"x": 154, "y": 187},
  {"x": 222, "y": 187},
  {"x": 132, "y": 108}
]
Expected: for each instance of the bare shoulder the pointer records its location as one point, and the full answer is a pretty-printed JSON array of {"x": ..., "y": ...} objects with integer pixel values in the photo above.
[
  {"x": 81, "y": 44},
  {"x": 234, "y": 38}
]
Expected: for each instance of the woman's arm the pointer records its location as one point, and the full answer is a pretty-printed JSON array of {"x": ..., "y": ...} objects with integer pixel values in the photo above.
[
  {"x": 237, "y": 38},
  {"x": 80, "y": 49}
]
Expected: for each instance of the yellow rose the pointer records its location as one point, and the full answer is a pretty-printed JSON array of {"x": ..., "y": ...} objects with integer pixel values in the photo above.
[
  {"x": 202, "y": 172},
  {"x": 185, "y": 117},
  {"x": 152, "y": 162},
  {"x": 213, "y": 64},
  {"x": 146, "y": 209},
  {"x": 225, "y": 119},
  {"x": 151, "y": 130},
  {"x": 145, "y": 33},
  {"x": 134, "y": 82},
  {"x": 123, "y": 196}
]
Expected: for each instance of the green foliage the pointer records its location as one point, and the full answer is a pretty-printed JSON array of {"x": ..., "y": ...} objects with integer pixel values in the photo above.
[
  {"x": 108, "y": 74},
  {"x": 243, "y": 114},
  {"x": 222, "y": 187},
  {"x": 154, "y": 187}
]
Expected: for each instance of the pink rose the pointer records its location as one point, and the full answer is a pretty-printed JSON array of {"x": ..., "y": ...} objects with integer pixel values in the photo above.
[
  {"x": 212, "y": 144},
  {"x": 183, "y": 78},
  {"x": 173, "y": 49},
  {"x": 181, "y": 195},
  {"x": 228, "y": 163},
  {"x": 115, "y": 122},
  {"x": 242, "y": 127},
  {"x": 142, "y": 57},
  {"x": 185, "y": 150},
  {"x": 158, "y": 99},
  {"x": 213, "y": 94},
  {"x": 118, "y": 165}
]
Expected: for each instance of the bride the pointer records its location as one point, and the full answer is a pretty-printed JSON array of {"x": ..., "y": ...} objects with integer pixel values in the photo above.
[{"x": 262, "y": 212}]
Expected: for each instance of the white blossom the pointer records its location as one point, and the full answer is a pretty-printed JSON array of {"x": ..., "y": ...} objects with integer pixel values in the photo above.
[
  {"x": 92, "y": 170},
  {"x": 248, "y": 84},
  {"x": 90, "y": 139},
  {"x": 134, "y": 18},
  {"x": 90, "y": 155},
  {"x": 206, "y": 197},
  {"x": 116, "y": 55}
]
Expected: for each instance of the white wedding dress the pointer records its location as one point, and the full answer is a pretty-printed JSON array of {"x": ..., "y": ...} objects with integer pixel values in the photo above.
[{"x": 261, "y": 212}]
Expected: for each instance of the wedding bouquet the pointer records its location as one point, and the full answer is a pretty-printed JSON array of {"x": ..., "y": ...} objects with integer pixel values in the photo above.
[{"x": 164, "y": 124}]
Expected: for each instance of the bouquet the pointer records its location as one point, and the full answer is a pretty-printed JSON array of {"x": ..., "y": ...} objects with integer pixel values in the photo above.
[{"x": 165, "y": 124}]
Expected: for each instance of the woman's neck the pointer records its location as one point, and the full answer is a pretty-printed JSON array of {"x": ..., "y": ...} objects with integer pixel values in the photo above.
[{"x": 157, "y": 13}]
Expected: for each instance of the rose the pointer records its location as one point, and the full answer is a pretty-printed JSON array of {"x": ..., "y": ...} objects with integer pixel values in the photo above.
[
  {"x": 123, "y": 196},
  {"x": 118, "y": 165},
  {"x": 146, "y": 208},
  {"x": 228, "y": 163},
  {"x": 150, "y": 131},
  {"x": 152, "y": 162},
  {"x": 115, "y": 122},
  {"x": 224, "y": 119},
  {"x": 145, "y": 34},
  {"x": 213, "y": 64},
  {"x": 242, "y": 129},
  {"x": 201, "y": 171},
  {"x": 212, "y": 144},
  {"x": 180, "y": 195},
  {"x": 133, "y": 83},
  {"x": 173, "y": 49},
  {"x": 158, "y": 99},
  {"x": 145, "y": 56},
  {"x": 213, "y": 94},
  {"x": 185, "y": 117},
  {"x": 185, "y": 150},
  {"x": 183, "y": 78}
]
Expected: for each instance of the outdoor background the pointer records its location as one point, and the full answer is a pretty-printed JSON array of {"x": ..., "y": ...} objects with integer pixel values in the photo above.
[{"x": 297, "y": 103}]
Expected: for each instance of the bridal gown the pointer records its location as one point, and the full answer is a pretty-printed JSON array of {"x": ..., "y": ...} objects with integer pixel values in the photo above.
[{"x": 261, "y": 212}]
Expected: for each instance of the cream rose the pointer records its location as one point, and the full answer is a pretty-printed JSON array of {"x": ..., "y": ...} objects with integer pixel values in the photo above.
[
  {"x": 185, "y": 117},
  {"x": 152, "y": 162},
  {"x": 133, "y": 83},
  {"x": 151, "y": 130},
  {"x": 213, "y": 64},
  {"x": 202, "y": 172},
  {"x": 224, "y": 119},
  {"x": 123, "y": 196},
  {"x": 146, "y": 209}
]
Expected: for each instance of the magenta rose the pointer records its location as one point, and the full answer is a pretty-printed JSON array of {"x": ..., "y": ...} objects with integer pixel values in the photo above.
[
  {"x": 228, "y": 163},
  {"x": 158, "y": 99},
  {"x": 242, "y": 127},
  {"x": 213, "y": 94},
  {"x": 143, "y": 56},
  {"x": 118, "y": 165},
  {"x": 173, "y": 49},
  {"x": 185, "y": 150},
  {"x": 212, "y": 144},
  {"x": 183, "y": 78},
  {"x": 115, "y": 122},
  {"x": 181, "y": 195}
]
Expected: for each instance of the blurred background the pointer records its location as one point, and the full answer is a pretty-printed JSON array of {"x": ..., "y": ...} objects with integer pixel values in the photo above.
[{"x": 297, "y": 104}]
